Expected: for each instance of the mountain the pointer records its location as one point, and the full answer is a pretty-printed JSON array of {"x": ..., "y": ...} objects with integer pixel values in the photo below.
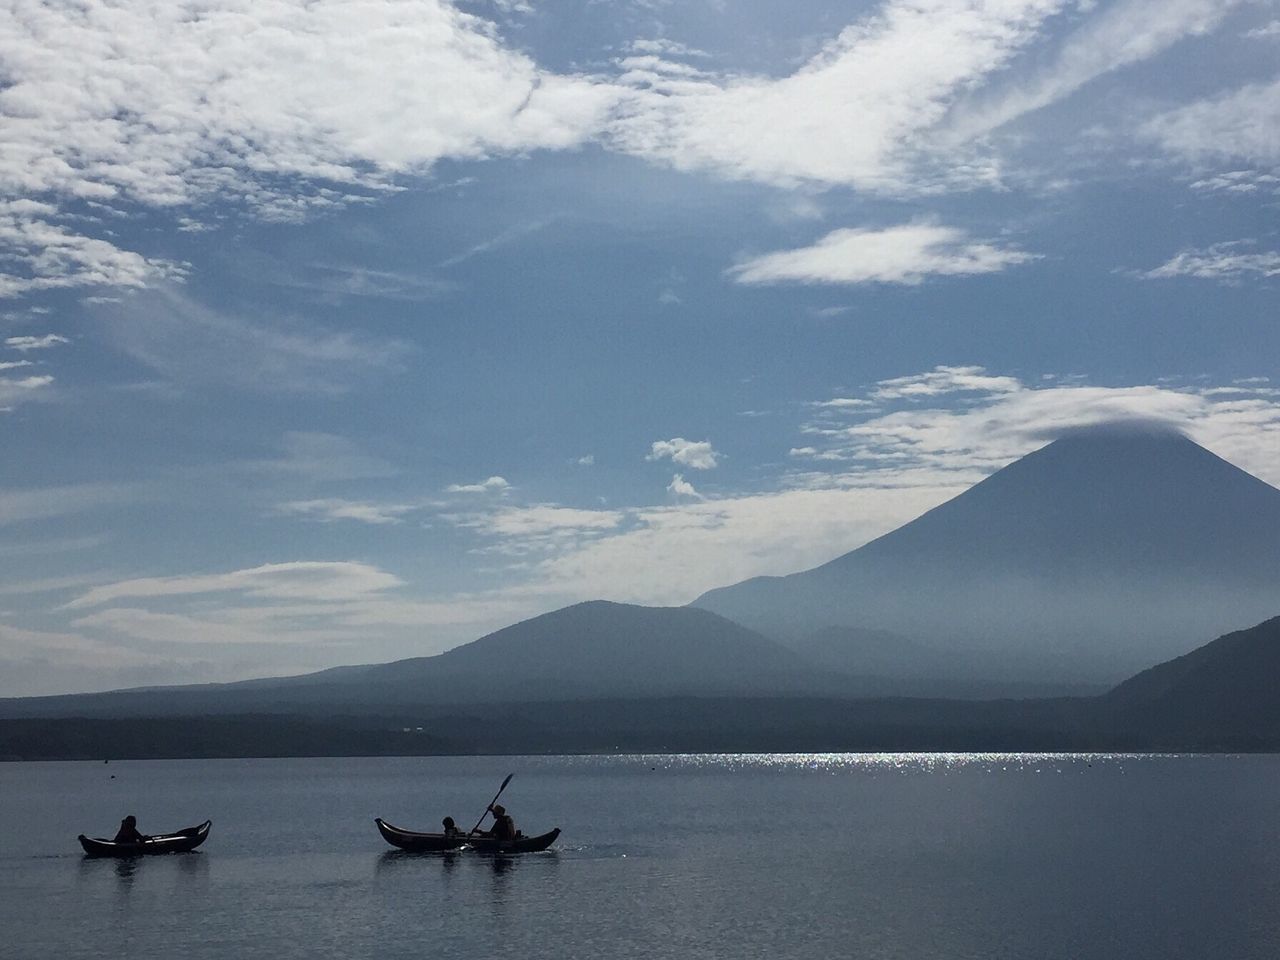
[
  {"x": 1221, "y": 695},
  {"x": 601, "y": 649},
  {"x": 1100, "y": 553},
  {"x": 590, "y": 650}
]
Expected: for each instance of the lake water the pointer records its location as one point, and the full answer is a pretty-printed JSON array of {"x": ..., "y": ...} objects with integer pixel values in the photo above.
[{"x": 866, "y": 856}]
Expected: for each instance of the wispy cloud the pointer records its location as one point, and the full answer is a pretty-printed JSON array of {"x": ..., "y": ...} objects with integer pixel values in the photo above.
[
  {"x": 51, "y": 256},
  {"x": 349, "y": 280},
  {"x": 1237, "y": 125},
  {"x": 1265, "y": 32},
  {"x": 862, "y": 471},
  {"x": 1114, "y": 37},
  {"x": 41, "y": 503},
  {"x": 508, "y": 236},
  {"x": 937, "y": 382},
  {"x": 19, "y": 389},
  {"x": 491, "y": 485},
  {"x": 192, "y": 343},
  {"x": 322, "y": 457},
  {"x": 34, "y": 343},
  {"x": 901, "y": 255},
  {"x": 857, "y": 113},
  {"x": 313, "y": 581},
  {"x": 332, "y": 510},
  {"x": 1223, "y": 262},
  {"x": 698, "y": 454},
  {"x": 1003, "y": 418}
]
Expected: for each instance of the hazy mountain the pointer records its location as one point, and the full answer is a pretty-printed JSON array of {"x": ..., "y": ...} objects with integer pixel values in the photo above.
[
  {"x": 889, "y": 664},
  {"x": 1102, "y": 552},
  {"x": 1220, "y": 697},
  {"x": 589, "y": 650}
]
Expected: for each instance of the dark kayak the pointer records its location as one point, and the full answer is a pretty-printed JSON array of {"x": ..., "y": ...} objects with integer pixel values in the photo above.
[
  {"x": 418, "y": 842},
  {"x": 438, "y": 842},
  {"x": 179, "y": 842},
  {"x": 521, "y": 844}
]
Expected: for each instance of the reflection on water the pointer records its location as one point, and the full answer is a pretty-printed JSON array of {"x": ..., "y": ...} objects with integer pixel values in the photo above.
[
  {"x": 805, "y": 856},
  {"x": 175, "y": 867}
]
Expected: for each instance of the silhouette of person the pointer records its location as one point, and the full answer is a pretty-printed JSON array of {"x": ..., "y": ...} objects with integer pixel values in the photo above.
[
  {"x": 450, "y": 828},
  {"x": 128, "y": 832},
  {"x": 504, "y": 828}
]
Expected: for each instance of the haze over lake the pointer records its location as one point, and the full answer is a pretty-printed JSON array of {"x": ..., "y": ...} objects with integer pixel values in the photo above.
[{"x": 1056, "y": 857}]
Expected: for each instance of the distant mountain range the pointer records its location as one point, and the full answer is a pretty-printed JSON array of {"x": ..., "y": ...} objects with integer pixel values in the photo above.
[
  {"x": 1221, "y": 697},
  {"x": 586, "y": 651},
  {"x": 1102, "y": 552},
  {"x": 1083, "y": 562}
]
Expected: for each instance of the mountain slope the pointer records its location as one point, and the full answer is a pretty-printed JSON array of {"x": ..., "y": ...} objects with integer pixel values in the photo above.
[
  {"x": 1223, "y": 692},
  {"x": 1097, "y": 554}
]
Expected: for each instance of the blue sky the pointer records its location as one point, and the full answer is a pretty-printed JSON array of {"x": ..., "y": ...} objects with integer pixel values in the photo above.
[{"x": 338, "y": 332}]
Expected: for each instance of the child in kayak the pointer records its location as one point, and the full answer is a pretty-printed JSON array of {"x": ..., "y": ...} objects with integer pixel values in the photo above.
[{"x": 128, "y": 832}]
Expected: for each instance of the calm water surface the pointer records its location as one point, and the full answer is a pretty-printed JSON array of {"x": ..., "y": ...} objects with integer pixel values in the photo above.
[{"x": 872, "y": 856}]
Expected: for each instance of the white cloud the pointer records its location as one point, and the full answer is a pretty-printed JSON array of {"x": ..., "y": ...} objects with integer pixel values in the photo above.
[
  {"x": 1238, "y": 181},
  {"x": 136, "y": 99},
  {"x": 1224, "y": 262},
  {"x": 52, "y": 256},
  {"x": 842, "y": 403},
  {"x": 538, "y": 528},
  {"x": 15, "y": 364},
  {"x": 904, "y": 255},
  {"x": 34, "y": 343},
  {"x": 1120, "y": 34},
  {"x": 333, "y": 509},
  {"x": 313, "y": 581},
  {"x": 492, "y": 485},
  {"x": 664, "y": 47},
  {"x": 283, "y": 106},
  {"x": 1241, "y": 124},
  {"x": 587, "y": 461},
  {"x": 680, "y": 487},
  {"x": 697, "y": 454},
  {"x": 15, "y": 391},
  {"x": 1009, "y": 418},
  {"x": 1265, "y": 32},
  {"x": 854, "y": 114},
  {"x": 942, "y": 380}
]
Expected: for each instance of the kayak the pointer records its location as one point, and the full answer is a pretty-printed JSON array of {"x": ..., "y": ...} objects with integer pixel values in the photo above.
[
  {"x": 418, "y": 842},
  {"x": 438, "y": 842},
  {"x": 521, "y": 844},
  {"x": 179, "y": 842}
]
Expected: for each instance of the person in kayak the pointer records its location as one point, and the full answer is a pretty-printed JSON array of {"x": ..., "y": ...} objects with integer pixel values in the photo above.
[
  {"x": 128, "y": 832},
  {"x": 450, "y": 828},
  {"x": 504, "y": 828}
]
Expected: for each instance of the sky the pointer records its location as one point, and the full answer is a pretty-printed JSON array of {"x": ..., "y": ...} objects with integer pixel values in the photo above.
[{"x": 340, "y": 332}]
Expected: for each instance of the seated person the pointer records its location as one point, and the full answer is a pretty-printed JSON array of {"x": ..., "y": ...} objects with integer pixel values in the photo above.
[
  {"x": 504, "y": 828},
  {"x": 451, "y": 830},
  {"x": 128, "y": 832}
]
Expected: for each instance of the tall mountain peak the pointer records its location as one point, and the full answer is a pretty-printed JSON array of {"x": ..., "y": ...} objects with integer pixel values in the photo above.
[{"x": 1101, "y": 551}]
